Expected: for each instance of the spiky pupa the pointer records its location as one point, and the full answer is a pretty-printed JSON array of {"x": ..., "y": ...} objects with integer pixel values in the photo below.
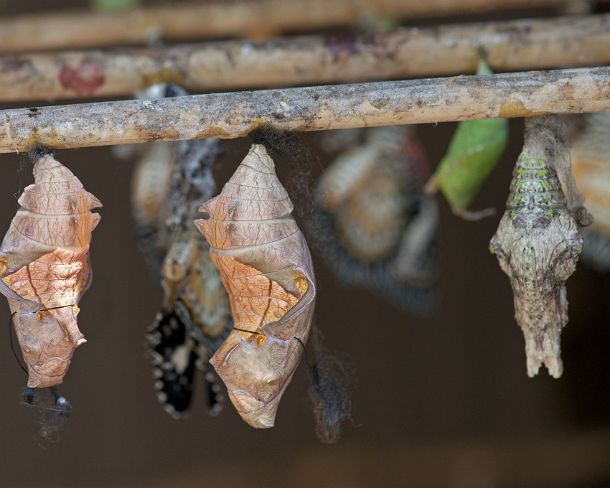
[{"x": 538, "y": 243}]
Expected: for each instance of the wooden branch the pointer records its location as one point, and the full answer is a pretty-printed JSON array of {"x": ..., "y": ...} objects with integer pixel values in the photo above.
[
  {"x": 220, "y": 19},
  {"x": 453, "y": 49},
  {"x": 231, "y": 115}
]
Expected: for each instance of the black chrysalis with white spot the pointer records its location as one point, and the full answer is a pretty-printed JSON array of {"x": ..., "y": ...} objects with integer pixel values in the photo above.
[{"x": 195, "y": 317}]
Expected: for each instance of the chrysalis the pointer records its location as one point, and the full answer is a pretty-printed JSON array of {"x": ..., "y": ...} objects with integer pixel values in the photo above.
[
  {"x": 539, "y": 241},
  {"x": 170, "y": 183},
  {"x": 45, "y": 269},
  {"x": 266, "y": 268},
  {"x": 150, "y": 186},
  {"x": 591, "y": 167},
  {"x": 377, "y": 228},
  {"x": 474, "y": 150}
]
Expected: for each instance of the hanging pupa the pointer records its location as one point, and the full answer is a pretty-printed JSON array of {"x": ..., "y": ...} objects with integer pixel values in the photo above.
[
  {"x": 539, "y": 241},
  {"x": 168, "y": 186},
  {"x": 474, "y": 150},
  {"x": 265, "y": 265},
  {"x": 45, "y": 269},
  {"x": 377, "y": 229},
  {"x": 591, "y": 167}
]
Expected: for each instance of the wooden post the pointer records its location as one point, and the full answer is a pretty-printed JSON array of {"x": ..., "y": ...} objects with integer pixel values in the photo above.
[
  {"x": 241, "y": 18},
  {"x": 405, "y": 53},
  {"x": 231, "y": 115}
]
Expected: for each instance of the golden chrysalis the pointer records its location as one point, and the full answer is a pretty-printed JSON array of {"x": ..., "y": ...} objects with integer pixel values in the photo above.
[
  {"x": 45, "y": 268},
  {"x": 265, "y": 265}
]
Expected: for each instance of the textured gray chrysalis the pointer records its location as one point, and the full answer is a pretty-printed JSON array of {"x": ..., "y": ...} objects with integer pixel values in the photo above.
[{"x": 539, "y": 240}]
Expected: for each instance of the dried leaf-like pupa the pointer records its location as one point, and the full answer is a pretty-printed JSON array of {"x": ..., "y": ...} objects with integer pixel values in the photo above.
[
  {"x": 377, "y": 227},
  {"x": 591, "y": 168},
  {"x": 46, "y": 270},
  {"x": 538, "y": 243},
  {"x": 266, "y": 268}
]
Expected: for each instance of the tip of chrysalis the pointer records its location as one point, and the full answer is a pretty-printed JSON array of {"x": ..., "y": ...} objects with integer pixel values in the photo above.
[
  {"x": 40, "y": 152},
  {"x": 253, "y": 411},
  {"x": 45, "y": 161},
  {"x": 36, "y": 380},
  {"x": 258, "y": 159},
  {"x": 548, "y": 355}
]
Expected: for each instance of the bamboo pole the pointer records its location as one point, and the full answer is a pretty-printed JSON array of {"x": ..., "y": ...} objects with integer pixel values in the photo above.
[
  {"x": 231, "y": 115},
  {"x": 241, "y": 18},
  {"x": 405, "y": 53}
]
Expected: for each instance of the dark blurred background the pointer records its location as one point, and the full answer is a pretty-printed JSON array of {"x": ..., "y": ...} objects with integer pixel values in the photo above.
[{"x": 441, "y": 401}]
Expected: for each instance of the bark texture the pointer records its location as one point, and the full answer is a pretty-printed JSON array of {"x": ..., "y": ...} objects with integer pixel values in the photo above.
[
  {"x": 266, "y": 268},
  {"x": 405, "y": 53},
  {"x": 45, "y": 268},
  {"x": 539, "y": 242},
  {"x": 241, "y": 18},
  {"x": 232, "y": 115}
]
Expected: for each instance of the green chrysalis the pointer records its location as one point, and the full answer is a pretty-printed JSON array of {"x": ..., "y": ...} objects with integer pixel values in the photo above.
[{"x": 474, "y": 150}]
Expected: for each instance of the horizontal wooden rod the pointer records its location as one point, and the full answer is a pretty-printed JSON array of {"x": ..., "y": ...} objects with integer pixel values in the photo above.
[
  {"x": 239, "y": 18},
  {"x": 231, "y": 115},
  {"x": 405, "y": 53}
]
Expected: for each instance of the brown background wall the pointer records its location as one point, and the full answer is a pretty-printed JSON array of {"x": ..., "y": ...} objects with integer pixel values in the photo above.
[{"x": 443, "y": 401}]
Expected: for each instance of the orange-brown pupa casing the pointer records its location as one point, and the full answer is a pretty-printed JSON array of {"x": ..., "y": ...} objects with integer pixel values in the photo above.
[
  {"x": 44, "y": 264},
  {"x": 591, "y": 167},
  {"x": 265, "y": 265}
]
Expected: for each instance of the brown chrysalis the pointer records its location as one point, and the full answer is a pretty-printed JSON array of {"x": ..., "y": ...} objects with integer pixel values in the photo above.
[
  {"x": 539, "y": 241},
  {"x": 377, "y": 227},
  {"x": 265, "y": 265},
  {"x": 45, "y": 269},
  {"x": 591, "y": 167}
]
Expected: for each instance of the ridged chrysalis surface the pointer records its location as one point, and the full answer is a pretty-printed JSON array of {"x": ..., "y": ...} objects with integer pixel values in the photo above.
[
  {"x": 265, "y": 265},
  {"x": 45, "y": 268},
  {"x": 538, "y": 243}
]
